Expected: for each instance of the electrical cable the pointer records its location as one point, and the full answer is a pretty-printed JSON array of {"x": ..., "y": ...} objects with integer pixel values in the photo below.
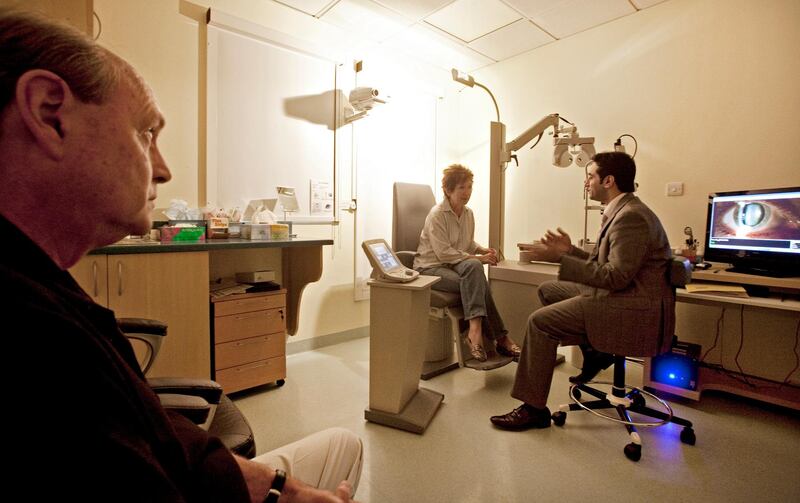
[
  {"x": 741, "y": 345},
  {"x": 796, "y": 356},
  {"x": 635, "y": 143},
  {"x": 99, "y": 25},
  {"x": 716, "y": 337},
  {"x": 537, "y": 140}
]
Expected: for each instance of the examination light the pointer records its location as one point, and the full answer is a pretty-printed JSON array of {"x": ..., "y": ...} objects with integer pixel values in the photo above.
[{"x": 568, "y": 146}]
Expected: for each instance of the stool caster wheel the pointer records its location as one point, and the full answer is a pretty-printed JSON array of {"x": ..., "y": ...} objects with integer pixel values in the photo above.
[
  {"x": 633, "y": 452},
  {"x": 687, "y": 436},
  {"x": 280, "y": 382},
  {"x": 576, "y": 393},
  {"x": 559, "y": 418}
]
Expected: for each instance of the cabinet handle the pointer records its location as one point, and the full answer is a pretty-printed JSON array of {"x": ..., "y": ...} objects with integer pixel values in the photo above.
[
  {"x": 260, "y": 340},
  {"x": 94, "y": 278},
  {"x": 281, "y": 311},
  {"x": 253, "y": 366},
  {"x": 248, "y": 316},
  {"x": 119, "y": 278}
]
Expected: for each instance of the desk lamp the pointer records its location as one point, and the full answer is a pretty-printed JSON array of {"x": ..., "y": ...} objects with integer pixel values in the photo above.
[{"x": 568, "y": 146}]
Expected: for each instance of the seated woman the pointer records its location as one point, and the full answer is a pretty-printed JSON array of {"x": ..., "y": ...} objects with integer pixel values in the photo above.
[{"x": 447, "y": 249}]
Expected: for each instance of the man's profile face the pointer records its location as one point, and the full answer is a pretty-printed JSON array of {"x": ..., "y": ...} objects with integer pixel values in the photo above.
[
  {"x": 593, "y": 184},
  {"x": 118, "y": 160}
]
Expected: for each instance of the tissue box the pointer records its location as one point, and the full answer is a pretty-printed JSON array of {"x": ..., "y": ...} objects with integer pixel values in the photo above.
[
  {"x": 255, "y": 231},
  {"x": 217, "y": 227},
  {"x": 172, "y": 234},
  {"x": 279, "y": 231}
]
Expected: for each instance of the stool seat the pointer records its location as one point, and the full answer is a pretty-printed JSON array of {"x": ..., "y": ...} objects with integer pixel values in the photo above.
[{"x": 444, "y": 299}]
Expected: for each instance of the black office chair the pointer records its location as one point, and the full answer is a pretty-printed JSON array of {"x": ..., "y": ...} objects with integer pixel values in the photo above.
[
  {"x": 624, "y": 398},
  {"x": 200, "y": 400}
]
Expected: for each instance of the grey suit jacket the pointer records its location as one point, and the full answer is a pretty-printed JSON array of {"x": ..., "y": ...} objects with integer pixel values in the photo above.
[{"x": 629, "y": 304}]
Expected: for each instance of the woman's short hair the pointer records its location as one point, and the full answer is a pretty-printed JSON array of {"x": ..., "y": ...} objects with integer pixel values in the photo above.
[
  {"x": 30, "y": 41},
  {"x": 619, "y": 165},
  {"x": 453, "y": 176}
]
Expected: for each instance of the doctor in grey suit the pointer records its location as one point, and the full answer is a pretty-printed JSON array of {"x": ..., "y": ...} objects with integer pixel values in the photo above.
[{"x": 615, "y": 300}]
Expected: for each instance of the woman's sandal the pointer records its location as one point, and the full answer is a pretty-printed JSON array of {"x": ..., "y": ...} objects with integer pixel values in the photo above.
[{"x": 475, "y": 350}]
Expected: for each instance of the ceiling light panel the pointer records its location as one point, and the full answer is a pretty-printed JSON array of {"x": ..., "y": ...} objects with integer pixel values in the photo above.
[
  {"x": 423, "y": 44},
  {"x": 366, "y": 19},
  {"x": 312, "y": 7},
  {"x": 563, "y": 18},
  {"x": 414, "y": 9},
  {"x": 470, "y": 19},
  {"x": 511, "y": 40}
]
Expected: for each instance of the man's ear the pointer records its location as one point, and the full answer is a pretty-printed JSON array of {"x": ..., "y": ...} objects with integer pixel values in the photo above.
[
  {"x": 42, "y": 98},
  {"x": 609, "y": 181}
]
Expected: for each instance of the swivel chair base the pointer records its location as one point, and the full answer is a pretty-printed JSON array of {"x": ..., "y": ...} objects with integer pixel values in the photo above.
[{"x": 624, "y": 399}]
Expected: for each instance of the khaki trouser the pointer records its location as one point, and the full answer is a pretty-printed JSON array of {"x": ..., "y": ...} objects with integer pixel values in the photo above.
[{"x": 322, "y": 460}]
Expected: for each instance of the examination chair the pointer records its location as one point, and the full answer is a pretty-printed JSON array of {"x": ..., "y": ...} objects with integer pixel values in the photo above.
[
  {"x": 200, "y": 400},
  {"x": 412, "y": 203},
  {"x": 625, "y": 399}
]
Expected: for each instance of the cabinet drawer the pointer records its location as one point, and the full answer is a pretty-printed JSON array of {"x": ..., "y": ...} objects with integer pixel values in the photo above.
[
  {"x": 252, "y": 374},
  {"x": 249, "y": 350},
  {"x": 244, "y": 325},
  {"x": 249, "y": 304}
]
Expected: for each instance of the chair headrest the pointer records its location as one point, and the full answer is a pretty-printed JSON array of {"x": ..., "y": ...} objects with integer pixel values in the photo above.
[{"x": 680, "y": 271}]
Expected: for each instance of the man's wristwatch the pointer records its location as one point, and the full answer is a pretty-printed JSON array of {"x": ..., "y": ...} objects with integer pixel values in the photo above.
[{"x": 276, "y": 488}]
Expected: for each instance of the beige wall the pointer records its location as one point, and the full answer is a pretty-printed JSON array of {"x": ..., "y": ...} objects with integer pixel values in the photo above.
[{"x": 708, "y": 87}]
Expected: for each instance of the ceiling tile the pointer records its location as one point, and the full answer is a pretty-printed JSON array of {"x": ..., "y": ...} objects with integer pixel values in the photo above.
[
  {"x": 423, "y": 44},
  {"x": 414, "y": 9},
  {"x": 563, "y": 18},
  {"x": 470, "y": 19},
  {"x": 511, "y": 40},
  {"x": 643, "y": 4},
  {"x": 366, "y": 18},
  {"x": 312, "y": 7}
]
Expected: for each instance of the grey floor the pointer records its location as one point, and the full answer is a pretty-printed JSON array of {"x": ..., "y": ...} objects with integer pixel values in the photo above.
[{"x": 746, "y": 451}]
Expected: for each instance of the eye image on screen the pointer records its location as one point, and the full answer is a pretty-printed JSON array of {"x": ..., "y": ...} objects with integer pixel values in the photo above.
[{"x": 757, "y": 219}]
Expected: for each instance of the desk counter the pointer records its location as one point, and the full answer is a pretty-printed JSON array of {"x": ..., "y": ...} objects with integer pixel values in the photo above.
[
  {"x": 170, "y": 282},
  {"x": 764, "y": 326}
]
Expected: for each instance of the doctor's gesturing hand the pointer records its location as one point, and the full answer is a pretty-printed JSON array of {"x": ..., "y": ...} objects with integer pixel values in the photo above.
[{"x": 552, "y": 246}]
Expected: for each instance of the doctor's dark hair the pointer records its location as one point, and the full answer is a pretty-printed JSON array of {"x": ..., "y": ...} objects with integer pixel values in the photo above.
[
  {"x": 619, "y": 165},
  {"x": 453, "y": 176},
  {"x": 30, "y": 41}
]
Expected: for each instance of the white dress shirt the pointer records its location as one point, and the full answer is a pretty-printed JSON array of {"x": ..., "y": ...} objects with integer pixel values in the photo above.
[{"x": 446, "y": 238}]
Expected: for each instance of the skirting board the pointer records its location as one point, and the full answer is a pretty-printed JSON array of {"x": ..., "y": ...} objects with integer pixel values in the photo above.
[{"x": 294, "y": 347}]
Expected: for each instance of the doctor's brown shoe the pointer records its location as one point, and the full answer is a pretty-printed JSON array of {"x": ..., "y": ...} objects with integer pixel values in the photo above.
[{"x": 523, "y": 417}]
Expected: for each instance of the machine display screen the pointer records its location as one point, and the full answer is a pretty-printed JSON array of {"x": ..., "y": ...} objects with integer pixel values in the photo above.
[
  {"x": 756, "y": 222},
  {"x": 384, "y": 256}
]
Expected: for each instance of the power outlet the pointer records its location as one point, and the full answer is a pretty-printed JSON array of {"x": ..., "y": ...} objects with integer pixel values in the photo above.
[{"x": 675, "y": 189}]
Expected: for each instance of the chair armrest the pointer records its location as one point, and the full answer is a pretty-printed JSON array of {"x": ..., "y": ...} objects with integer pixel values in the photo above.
[
  {"x": 142, "y": 326},
  {"x": 406, "y": 258},
  {"x": 193, "y": 408},
  {"x": 206, "y": 389}
]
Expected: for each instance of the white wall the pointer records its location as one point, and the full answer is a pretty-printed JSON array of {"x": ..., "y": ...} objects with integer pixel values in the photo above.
[
  {"x": 708, "y": 87},
  {"x": 163, "y": 45}
]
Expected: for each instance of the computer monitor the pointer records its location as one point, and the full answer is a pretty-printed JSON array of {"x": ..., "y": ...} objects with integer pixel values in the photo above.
[{"x": 757, "y": 231}]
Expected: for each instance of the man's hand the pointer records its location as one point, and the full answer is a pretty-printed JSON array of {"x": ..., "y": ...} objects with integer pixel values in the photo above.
[
  {"x": 259, "y": 478},
  {"x": 552, "y": 246}
]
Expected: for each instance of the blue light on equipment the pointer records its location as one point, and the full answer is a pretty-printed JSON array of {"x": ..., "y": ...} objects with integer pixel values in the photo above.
[{"x": 676, "y": 370}]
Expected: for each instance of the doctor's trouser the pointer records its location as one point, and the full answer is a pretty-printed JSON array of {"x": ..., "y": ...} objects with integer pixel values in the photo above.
[
  {"x": 467, "y": 279},
  {"x": 560, "y": 321}
]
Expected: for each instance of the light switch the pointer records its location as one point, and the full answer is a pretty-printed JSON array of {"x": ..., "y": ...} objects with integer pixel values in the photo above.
[{"x": 675, "y": 189}]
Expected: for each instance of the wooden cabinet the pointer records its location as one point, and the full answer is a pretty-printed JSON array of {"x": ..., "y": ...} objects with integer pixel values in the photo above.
[
  {"x": 170, "y": 287},
  {"x": 250, "y": 340}
]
